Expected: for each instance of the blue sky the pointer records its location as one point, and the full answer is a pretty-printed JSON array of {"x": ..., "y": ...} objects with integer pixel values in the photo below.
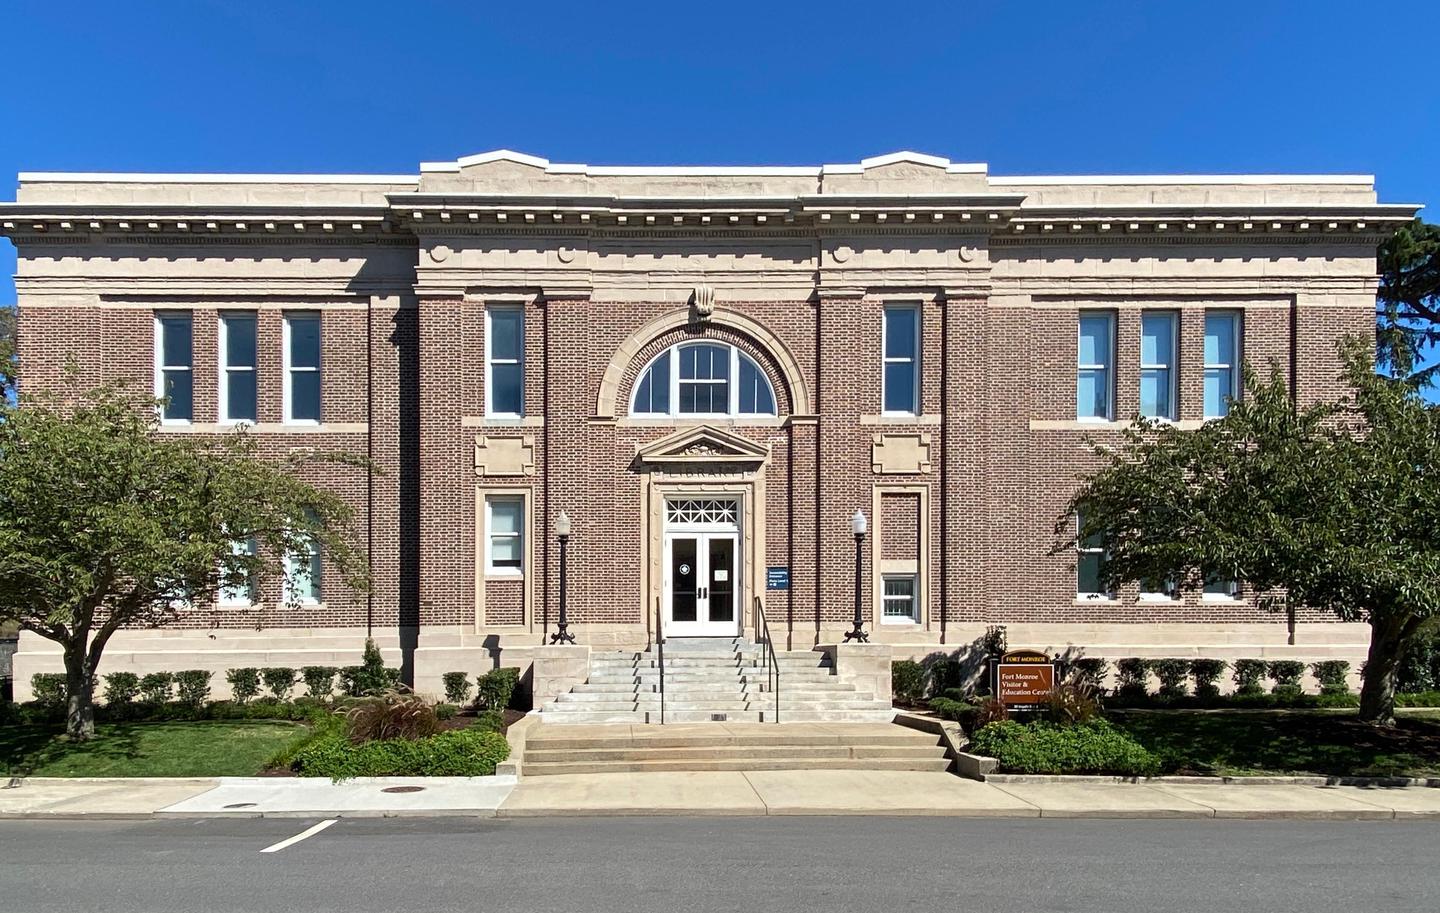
[{"x": 1035, "y": 87}]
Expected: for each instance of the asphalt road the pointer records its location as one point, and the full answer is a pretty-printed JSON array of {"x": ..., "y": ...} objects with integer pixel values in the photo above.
[{"x": 698, "y": 865}]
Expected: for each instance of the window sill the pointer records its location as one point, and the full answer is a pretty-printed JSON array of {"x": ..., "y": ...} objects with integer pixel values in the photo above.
[
  {"x": 1157, "y": 599},
  {"x": 1223, "y": 600},
  {"x": 900, "y": 622},
  {"x": 497, "y": 574},
  {"x": 1096, "y": 600}
]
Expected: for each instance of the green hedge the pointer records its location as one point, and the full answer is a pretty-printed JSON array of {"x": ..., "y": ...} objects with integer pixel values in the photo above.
[
  {"x": 1095, "y": 747},
  {"x": 470, "y": 752}
]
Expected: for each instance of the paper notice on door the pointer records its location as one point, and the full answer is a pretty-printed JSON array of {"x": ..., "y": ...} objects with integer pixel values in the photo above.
[{"x": 721, "y": 575}]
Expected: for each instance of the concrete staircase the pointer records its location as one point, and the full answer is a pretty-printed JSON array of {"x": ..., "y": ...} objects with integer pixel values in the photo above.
[
  {"x": 551, "y": 750},
  {"x": 709, "y": 680}
]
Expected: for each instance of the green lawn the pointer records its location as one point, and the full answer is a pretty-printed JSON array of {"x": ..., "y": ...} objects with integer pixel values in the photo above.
[
  {"x": 203, "y": 749},
  {"x": 1286, "y": 742}
]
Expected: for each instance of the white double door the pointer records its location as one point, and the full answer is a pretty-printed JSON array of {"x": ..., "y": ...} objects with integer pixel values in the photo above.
[{"x": 702, "y": 583}]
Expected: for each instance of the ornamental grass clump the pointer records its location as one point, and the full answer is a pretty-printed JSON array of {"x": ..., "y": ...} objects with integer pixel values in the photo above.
[
  {"x": 1091, "y": 671},
  {"x": 392, "y": 714}
]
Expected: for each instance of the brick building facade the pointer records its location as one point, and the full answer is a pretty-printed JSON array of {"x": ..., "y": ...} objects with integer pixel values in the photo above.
[{"x": 710, "y": 371}]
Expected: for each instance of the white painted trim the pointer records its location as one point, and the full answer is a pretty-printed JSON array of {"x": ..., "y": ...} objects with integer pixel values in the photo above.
[
  {"x": 222, "y": 348},
  {"x": 535, "y": 161},
  {"x": 518, "y": 497},
  {"x": 913, "y": 306},
  {"x": 1063, "y": 179},
  {"x": 132, "y": 177}
]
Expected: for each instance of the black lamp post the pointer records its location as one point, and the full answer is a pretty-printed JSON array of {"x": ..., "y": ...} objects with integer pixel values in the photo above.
[
  {"x": 562, "y": 531},
  {"x": 857, "y": 526}
]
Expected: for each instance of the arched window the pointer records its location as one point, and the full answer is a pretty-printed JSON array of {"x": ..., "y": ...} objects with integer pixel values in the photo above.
[{"x": 703, "y": 378}]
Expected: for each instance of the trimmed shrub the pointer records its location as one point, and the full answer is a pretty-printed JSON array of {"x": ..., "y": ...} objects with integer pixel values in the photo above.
[
  {"x": 390, "y": 715},
  {"x": 497, "y": 687},
  {"x": 457, "y": 687},
  {"x": 1419, "y": 668},
  {"x": 1418, "y": 699},
  {"x": 490, "y": 721},
  {"x": 471, "y": 752},
  {"x": 193, "y": 687},
  {"x": 944, "y": 673},
  {"x": 371, "y": 676},
  {"x": 445, "y": 712},
  {"x": 1286, "y": 673},
  {"x": 319, "y": 680},
  {"x": 1206, "y": 673},
  {"x": 1090, "y": 670},
  {"x": 155, "y": 687},
  {"x": 1041, "y": 747},
  {"x": 121, "y": 688},
  {"x": 350, "y": 677},
  {"x": 1132, "y": 678},
  {"x": 1248, "y": 674},
  {"x": 1174, "y": 675},
  {"x": 951, "y": 709},
  {"x": 49, "y": 689},
  {"x": 244, "y": 683},
  {"x": 907, "y": 681},
  {"x": 1331, "y": 674},
  {"x": 279, "y": 680}
]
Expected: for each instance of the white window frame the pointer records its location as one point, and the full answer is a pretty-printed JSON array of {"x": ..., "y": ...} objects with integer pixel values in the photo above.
[
  {"x": 1082, "y": 549},
  {"x": 913, "y": 619},
  {"x": 249, "y": 598},
  {"x": 522, "y": 526},
  {"x": 1232, "y": 595},
  {"x": 732, "y": 393},
  {"x": 491, "y": 361},
  {"x": 316, "y": 561},
  {"x": 1171, "y": 372},
  {"x": 289, "y": 369},
  {"x": 898, "y": 360},
  {"x": 225, "y": 369},
  {"x": 1236, "y": 328},
  {"x": 161, "y": 367},
  {"x": 1171, "y": 594},
  {"x": 1107, "y": 366}
]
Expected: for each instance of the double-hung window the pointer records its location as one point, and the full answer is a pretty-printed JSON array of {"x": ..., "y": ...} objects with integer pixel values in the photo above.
[
  {"x": 174, "y": 363},
  {"x": 303, "y": 573},
  {"x": 1094, "y": 384},
  {"x": 1222, "y": 351},
  {"x": 1157, "y": 364},
  {"x": 899, "y": 605},
  {"x": 504, "y": 535},
  {"x": 504, "y": 361},
  {"x": 900, "y": 381},
  {"x": 704, "y": 379},
  {"x": 302, "y": 368},
  {"x": 1223, "y": 589},
  {"x": 239, "y": 592},
  {"x": 1089, "y": 561},
  {"x": 237, "y": 367}
]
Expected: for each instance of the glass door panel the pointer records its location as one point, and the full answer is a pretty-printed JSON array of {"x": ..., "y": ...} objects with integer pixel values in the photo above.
[
  {"x": 721, "y": 586},
  {"x": 684, "y": 579}
]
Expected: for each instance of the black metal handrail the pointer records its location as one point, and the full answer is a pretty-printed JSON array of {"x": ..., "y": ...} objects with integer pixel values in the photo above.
[
  {"x": 767, "y": 656},
  {"x": 660, "y": 657}
]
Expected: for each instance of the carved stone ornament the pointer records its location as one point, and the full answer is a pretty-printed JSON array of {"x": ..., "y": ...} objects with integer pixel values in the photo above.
[
  {"x": 701, "y": 450},
  {"x": 440, "y": 253},
  {"x": 504, "y": 454},
  {"x": 703, "y": 302}
]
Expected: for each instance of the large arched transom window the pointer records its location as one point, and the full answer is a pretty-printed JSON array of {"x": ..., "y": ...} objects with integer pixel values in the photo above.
[{"x": 703, "y": 378}]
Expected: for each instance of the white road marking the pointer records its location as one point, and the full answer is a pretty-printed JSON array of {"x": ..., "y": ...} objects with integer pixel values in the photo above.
[{"x": 310, "y": 831}]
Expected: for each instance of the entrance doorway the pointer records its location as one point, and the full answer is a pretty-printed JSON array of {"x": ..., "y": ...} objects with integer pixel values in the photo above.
[{"x": 702, "y": 567}]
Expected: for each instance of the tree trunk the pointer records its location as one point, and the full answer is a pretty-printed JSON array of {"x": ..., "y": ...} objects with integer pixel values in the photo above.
[
  {"x": 1377, "y": 691},
  {"x": 79, "y": 694}
]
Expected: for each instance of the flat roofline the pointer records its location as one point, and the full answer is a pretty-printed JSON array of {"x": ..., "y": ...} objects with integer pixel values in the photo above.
[
  {"x": 1061, "y": 179},
  {"x": 131, "y": 177}
]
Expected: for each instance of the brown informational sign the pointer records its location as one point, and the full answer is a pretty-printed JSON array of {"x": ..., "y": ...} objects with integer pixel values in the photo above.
[{"x": 1024, "y": 677}]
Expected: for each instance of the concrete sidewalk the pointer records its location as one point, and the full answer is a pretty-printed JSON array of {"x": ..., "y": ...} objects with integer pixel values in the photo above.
[
  {"x": 770, "y": 792},
  {"x": 860, "y": 792},
  {"x": 92, "y": 797}
]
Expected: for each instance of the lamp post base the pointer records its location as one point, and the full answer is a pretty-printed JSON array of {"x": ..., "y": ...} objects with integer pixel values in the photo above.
[
  {"x": 857, "y": 634},
  {"x": 562, "y": 636}
]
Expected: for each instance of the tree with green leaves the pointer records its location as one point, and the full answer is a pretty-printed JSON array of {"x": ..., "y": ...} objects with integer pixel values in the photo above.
[
  {"x": 1333, "y": 507},
  {"x": 7, "y": 351},
  {"x": 105, "y": 523},
  {"x": 1407, "y": 308}
]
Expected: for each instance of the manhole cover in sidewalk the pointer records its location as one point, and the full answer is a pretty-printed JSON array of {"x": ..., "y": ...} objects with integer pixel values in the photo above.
[
  {"x": 240, "y": 805},
  {"x": 403, "y": 789}
]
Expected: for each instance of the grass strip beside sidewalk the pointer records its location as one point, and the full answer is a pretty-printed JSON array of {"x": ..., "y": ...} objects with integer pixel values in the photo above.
[{"x": 237, "y": 748}]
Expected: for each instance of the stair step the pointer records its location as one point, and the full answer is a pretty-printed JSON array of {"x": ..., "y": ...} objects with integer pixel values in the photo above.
[
  {"x": 745, "y": 716},
  {"x": 732, "y": 752},
  {"x": 545, "y": 768}
]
